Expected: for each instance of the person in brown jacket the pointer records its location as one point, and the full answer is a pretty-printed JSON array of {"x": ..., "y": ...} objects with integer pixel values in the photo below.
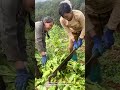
[
  {"x": 73, "y": 22},
  {"x": 102, "y": 19},
  {"x": 41, "y": 29}
]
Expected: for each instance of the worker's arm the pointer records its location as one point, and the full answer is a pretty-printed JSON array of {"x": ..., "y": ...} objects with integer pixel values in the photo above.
[
  {"x": 114, "y": 17},
  {"x": 89, "y": 27},
  {"x": 62, "y": 21},
  {"x": 81, "y": 19}
]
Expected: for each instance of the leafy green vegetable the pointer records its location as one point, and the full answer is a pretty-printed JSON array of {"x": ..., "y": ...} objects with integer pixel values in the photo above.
[{"x": 72, "y": 78}]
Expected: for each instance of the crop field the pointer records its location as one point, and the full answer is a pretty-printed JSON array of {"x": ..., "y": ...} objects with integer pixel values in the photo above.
[{"x": 71, "y": 78}]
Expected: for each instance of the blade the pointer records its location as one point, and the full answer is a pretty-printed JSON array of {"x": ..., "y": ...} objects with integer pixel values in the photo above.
[{"x": 61, "y": 65}]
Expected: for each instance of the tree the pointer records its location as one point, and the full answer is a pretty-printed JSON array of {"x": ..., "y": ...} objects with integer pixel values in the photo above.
[{"x": 50, "y": 8}]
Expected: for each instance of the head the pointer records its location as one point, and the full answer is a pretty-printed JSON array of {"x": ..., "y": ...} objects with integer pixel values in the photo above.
[
  {"x": 65, "y": 11},
  {"x": 48, "y": 23}
]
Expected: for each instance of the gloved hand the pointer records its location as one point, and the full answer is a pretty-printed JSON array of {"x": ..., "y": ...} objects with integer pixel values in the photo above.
[
  {"x": 44, "y": 59},
  {"x": 75, "y": 45},
  {"x": 98, "y": 47},
  {"x": 21, "y": 81},
  {"x": 108, "y": 37},
  {"x": 79, "y": 42}
]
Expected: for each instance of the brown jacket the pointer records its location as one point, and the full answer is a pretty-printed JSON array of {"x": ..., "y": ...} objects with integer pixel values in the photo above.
[
  {"x": 99, "y": 6},
  {"x": 104, "y": 6},
  {"x": 40, "y": 36},
  {"x": 77, "y": 24}
]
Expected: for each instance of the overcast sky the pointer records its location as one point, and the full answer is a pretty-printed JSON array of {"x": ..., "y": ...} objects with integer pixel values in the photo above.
[{"x": 40, "y": 0}]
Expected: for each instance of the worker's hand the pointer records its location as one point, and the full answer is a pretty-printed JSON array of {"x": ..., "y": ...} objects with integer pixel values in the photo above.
[
  {"x": 44, "y": 59},
  {"x": 21, "y": 81},
  {"x": 79, "y": 42},
  {"x": 108, "y": 37},
  {"x": 75, "y": 45},
  {"x": 97, "y": 48}
]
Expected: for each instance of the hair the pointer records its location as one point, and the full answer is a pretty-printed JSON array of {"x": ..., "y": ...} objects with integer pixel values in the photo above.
[
  {"x": 68, "y": 2},
  {"x": 64, "y": 8},
  {"x": 48, "y": 19}
]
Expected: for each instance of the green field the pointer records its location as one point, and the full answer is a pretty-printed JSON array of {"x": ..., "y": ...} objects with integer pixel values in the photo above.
[{"x": 57, "y": 50}]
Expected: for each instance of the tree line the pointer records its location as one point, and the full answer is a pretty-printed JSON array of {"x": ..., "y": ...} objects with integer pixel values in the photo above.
[{"x": 50, "y": 8}]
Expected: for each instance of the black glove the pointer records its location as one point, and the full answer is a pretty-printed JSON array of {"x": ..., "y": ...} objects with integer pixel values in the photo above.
[
  {"x": 22, "y": 78},
  {"x": 98, "y": 46},
  {"x": 108, "y": 37}
]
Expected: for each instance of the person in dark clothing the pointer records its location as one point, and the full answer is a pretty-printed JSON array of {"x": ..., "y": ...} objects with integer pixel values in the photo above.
[
  {"x": 102, "y": 21},
  {"x": 13, "y": 15}
]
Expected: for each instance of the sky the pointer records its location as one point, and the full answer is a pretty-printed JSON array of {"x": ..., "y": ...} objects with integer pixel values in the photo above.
[{"x": 40, "y": 0}]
